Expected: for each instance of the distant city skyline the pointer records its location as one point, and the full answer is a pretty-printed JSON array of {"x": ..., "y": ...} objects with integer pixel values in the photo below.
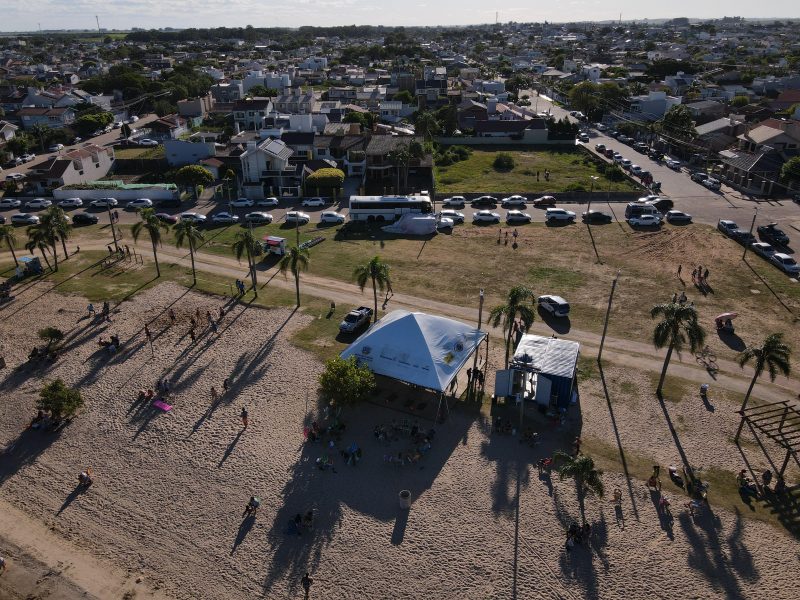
[{"x": 30, "y": 15}]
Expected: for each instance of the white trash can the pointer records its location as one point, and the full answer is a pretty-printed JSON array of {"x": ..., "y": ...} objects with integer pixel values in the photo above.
[{"x": 405, "y": 499}]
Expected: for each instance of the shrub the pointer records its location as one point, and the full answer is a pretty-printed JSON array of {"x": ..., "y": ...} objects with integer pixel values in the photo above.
[
  {"x": 59, "y": 400},
  {"x": 614, "y": 173},
  {"x": 50, "y": 335},
  {"x": 504, "y": 162},
  {"x": 462, "y": 152},
  {"x": 345, "y": 381},
  {"x": 325, "y": 178},
  {"x": 575, "y": 187}
]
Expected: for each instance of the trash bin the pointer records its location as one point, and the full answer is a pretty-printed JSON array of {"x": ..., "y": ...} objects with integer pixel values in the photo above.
[{"x": 405, "y": 499}]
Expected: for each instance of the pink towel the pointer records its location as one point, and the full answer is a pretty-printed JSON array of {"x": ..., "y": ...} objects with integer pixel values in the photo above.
[{"x": 162, "y": 405}]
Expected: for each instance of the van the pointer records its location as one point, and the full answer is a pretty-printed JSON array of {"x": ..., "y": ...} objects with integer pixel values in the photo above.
[{"x": 637, "y": 209}]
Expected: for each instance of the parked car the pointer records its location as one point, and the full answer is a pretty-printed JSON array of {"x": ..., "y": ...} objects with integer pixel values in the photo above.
[
  {"x": 517, "y": 216},
  {"x": 167, "y": 218},
  {"x": 356, "y": 319},
  {"x": 673, "y": 164},
  {"x": 148, "y": 143},
  {"x": 103, "y": 202},
  {"x": 485, "y": 216},
  {"x": 559, "y": 215},
  {"x": 785, "y": 263},
  {"x": 745, "y": 238},
  {"x": 316, "y": 201},
  {"x": 640, "y": 147},
  {"x": 454, "y": 202},
  {"x": 242, "y": 203},
  {"x": 295, "y": 216},
  {"x": 555, "y": 305},
  {"x": 654, "y": 155},
  {"x": 258, "y": 218},
  {"x": 489, "y": 201},
  {"x": 623, "y": 138},
  {"x": 600, "y": 127},
  {"x": 762, "y": 249},
  {"x": 331, "y": 216},
  {"x": 133, "y": 119},
  {"x": 194, "y": 217},
  {"x": 772, "y": 234},
  {"x": 699, "y": 176},
  {"x": 443, "y": 223},
  {"x": 626, "y": 164},
  {"x": 514, "y": 200},
  {"x": 711, "y": 183},
  {"x": 458, "y": 217},
  {"x": 676, "y": 216},
  {"x": 84, "y": 218},
  {"x": 71, "y": 203},
  {"x": 15, "y": 176},
  {"x": 544, "y": 201},
  {"x": 583, "y": 137},
  {"x": 224, "y": 218},
  {"x": 38, "y": 203},
  {"x": 600, "y": 148},
  {"x": 56, "y": 148},
  {"x": 727, "y": 227},
  {"x": 14, "y": 162},
  {"x": 635, "y": 169},
  {"x": 28, "y": 157},
  {"x": 10, "y": 203},
  {"x": 270, "y": 202},
  {"x": 609, "y": 152},
  {"x": 139, "y": 203},
  {"x": 645, "y": 221},
  {"x": 596, "y": 216},
  {"x": 660, "y": 202},
  {"x": 24, "y": 219}
]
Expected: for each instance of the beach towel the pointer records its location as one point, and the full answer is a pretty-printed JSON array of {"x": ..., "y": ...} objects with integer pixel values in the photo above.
[{"x": 162, "y": 405}]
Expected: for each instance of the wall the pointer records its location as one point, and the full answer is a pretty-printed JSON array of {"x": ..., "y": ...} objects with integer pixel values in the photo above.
[
  {"x": 561, "y": 197},
  {"x": 152, "y": 193},
  {"x": 504, "y": 141}
]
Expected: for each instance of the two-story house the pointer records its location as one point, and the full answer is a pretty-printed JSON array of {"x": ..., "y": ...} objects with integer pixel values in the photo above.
[
  {"x": 348, "y": 150},
  {"x": 250, "y": 114},
  {"x": 296, "y": 102},
  {"x": 90, "y": 162},
  {"x": 55, "y": 118},
  {"x": 266, "y": 170}
]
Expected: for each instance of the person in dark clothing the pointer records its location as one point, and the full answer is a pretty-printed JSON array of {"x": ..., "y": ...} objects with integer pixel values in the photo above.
[{"x": 306, "y": 582}]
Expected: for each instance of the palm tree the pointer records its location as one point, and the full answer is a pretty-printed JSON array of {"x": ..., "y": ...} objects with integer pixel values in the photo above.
[
  {"x": 427, "y": 125},
  {"x": 587, "y": 478},
  {"x": 149, "y": 222},
  {"x": 8, "y": 236},
  {"x": 186, "y": 232},
  {"x": 40, "y": 131},
  {"x": 679, "y": 324},
  {"x": 38, "y": 244},
  {"x": 773, "y": 355},
  {"x": 295, "y": 260},
  {"x": 400, "y": 157},
  {"x": 43, "y": 235},
  {"x": 378, "y": 272},
  {"x": 245, "y": 242},
  {"x": 60, "y": 223},
  {"x": 519, "y": 305}
]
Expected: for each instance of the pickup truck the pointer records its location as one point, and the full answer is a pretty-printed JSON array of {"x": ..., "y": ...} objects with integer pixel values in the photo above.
[{"x": 356, "y": 319}]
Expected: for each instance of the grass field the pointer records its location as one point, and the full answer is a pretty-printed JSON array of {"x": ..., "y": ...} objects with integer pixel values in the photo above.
[
  {"x": 128, "y": 153},
  {"x": 568, "y": 167}
]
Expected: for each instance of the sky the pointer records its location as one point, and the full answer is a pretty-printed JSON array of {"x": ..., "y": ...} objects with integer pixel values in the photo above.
[{"x": 29, "y": 15}]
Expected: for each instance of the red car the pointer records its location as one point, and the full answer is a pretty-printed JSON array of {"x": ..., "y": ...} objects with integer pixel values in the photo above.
[{"x": 167, "y": 218}]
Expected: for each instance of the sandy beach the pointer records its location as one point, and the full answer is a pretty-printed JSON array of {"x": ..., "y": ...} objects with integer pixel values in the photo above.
[{"x": 170, "y": 487}]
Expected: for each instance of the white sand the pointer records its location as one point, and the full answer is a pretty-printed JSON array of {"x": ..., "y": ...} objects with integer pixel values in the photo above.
[{"x": 170, "y": 488}]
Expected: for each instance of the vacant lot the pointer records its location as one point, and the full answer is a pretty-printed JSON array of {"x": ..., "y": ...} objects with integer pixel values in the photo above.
[{"x": 569, "y": 169}]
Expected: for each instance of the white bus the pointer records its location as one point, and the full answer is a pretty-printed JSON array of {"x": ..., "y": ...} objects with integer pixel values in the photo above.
[{"x": 387, "y": 208}]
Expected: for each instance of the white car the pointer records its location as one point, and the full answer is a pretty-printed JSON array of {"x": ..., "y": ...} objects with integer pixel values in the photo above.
[
  {"x": 148, "y": 143},
  {"x": 271, "y": 202},
  {"x": 517, "y": 216},
  {"x": 330, "y": 216},
  {"x": 24, "y": 219},
  {"x": 673, "y": 164},
  {"x": 514, "y": 200},
  {"x": 445, "y": 223},
  {"x": 10, "y": 203},
  {"x": 626, "y": 164},
  {"x": 56, "y": 148},
  {"x": 133, "y": 119},
  {"x": 28, "y": 157},
  {"x": 295, "y": 216},
  {"x": 139, "y": 203},
  {"x": 242, "y": 203},
  {"x": 455, "y": 202},
  {"x": 635, "y": 169},
  {"x": 763, "y": 249},
  {"x": 485, "y": 216},
  {"x": 104, "y": 202},
  {"x": 677, "y": 216},
  {"x": 583, "y": 137},
  {"x": 785, "y": 263},
  {"x": 258, "y": 218},
  {"x": 552, "y": 215},
  {"x": 38, "y": 203},
  {"x": 458, "y": 217},
  {"x": 555, "y": 305},
  {"x": 600, "y": 127},
  {"x": 224, "y": 218},
  {"x": 15, "y": 176},
  {"x": 711, "y": 183},
  {"x": 645, "y": 221},
  {"x": 618, "y": 158},
  {"x": 71, "y": 203},
  {"x": 193, "y": 217},
  {"x": 317, "y": 201}
]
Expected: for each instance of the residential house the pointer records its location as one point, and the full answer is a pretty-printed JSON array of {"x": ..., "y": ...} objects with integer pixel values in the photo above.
[
  {"x": 90, "y": 162},
  {"x": 198, "y": 147},
  {"x": 785, "y": 100},
  {"x": 250, "y": 114},
  {"x": 227, "y": 91},
  {"x": 652, "y": 106},
  {"x": 531, "y": 131},
  {"x": 469, "y": 112},
  {"x": 266, "y": 170},
  {"x": 169, "y": 127},
  {"x": 7, "y": 131},
  {"x": 378, "y": 154},
  {"x": 196, "y": 107},
  {"x": 706, "y": 110},
  {"x": 55, "y": 118},
  {"x": 348, "y": 150},
  {"x": 391, "y": 111},
  {"x": 719, "y": 134},
  {"x": 296, "y": 102}
]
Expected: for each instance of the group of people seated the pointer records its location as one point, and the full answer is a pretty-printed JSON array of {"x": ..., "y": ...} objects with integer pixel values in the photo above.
[
  {"x": 352, "y": 455},
  {"x": 577, "y": 534},
  {"x": 503, "y": 426},
  {"x": 36, "y": 354},
  {"x": 146, "y": 395},
  {"x": 301, "y": 522},
  {"x": 112, "y": 344},
  {"x": 325, "y": 462}
]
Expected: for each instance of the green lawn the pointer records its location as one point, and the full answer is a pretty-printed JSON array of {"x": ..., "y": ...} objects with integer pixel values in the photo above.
[
  {"x": 568, "y": 167},
  {"x": 128, "y": 153}
]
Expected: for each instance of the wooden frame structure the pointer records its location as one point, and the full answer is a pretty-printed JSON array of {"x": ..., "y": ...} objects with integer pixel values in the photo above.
[{"x": 780, "y": 422}]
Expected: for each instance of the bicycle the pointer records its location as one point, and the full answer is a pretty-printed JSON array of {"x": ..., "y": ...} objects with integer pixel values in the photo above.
[{"x": 708, "y": 359}]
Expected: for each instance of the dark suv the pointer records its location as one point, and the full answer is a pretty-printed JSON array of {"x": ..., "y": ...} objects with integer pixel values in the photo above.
[
  {"x": 772, "y": 235},
  {"x": 487, "y": 201}
]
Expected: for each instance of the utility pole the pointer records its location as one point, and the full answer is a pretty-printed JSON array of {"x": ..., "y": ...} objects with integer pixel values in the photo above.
[
  {"x": 96, "y": 18},
  {"x": 608, "y": 312},
  {"x": 111, "y": 221},
  {"x": 475, "y": 355},
  {"x": 752, "y": 224}
]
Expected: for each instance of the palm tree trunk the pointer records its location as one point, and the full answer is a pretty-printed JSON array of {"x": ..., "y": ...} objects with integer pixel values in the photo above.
[
  {"x": 44, "y": 255},
  {"x": 750, "y": 389},
  {"x": 251, "y": 264},
  {"x": 155, "y": 257},
  {"x": 664, "y": 369},
  {"x": 55, "y": 255},
  {"x": 14, "y": 254},
  {"x": 191, "y": 254},
  {"x": 64, "y": 246},
  {"x": 297, "y": 285},
  {"x": 508, "y": 342},
  {"x": 375, "y": 294},
  {"x": 581, "y": 500}
]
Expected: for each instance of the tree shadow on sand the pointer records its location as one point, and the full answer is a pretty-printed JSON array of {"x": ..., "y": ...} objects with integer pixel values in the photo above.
[
  {"x": 25, "y": 450},
  {"x": 327, "y": 492}
]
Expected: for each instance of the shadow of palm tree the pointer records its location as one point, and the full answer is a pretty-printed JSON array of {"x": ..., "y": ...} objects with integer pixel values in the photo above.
[{"x": 24, "y": 451}]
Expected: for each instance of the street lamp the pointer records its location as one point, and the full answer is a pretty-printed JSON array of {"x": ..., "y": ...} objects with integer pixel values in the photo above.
[
  {"x": 591, "y": 190},
  {"x": 475, "y": 355},
  {"x": 608, "y": 311}
]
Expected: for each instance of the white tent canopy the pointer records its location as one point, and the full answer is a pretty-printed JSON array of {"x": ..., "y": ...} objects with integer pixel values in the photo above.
[{"x": 417, "y": 348}]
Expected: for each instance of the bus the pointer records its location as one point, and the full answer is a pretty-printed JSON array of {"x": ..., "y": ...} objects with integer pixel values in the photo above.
[{"x": 387, "y": 208}]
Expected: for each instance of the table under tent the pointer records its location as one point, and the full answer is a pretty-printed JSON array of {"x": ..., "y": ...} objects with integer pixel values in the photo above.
[{"x": 417, "y": 348}]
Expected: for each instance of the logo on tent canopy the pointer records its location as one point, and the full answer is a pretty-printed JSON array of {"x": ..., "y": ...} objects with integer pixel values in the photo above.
[{"x": 365, "y": 350}]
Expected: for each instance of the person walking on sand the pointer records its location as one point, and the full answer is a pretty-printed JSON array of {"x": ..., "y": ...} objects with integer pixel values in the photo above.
[
  {"x": 147, "y": 333},
  {"x": 107, "y": 311},
  {"x": 705, "y": 275},
  {"x": 225, "y": 386},
  {"x": 192, "y": 335},
  {"x": 306, "y": 582},
  {"x": 244, "y": 417},
  {"x": 172, "y": 317},
  {"x": 680, "y": 268},
  {"x": 214, "y": 394},
  {"x": 91, "y": 310},
  {"x": 221, "y": 312}
]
